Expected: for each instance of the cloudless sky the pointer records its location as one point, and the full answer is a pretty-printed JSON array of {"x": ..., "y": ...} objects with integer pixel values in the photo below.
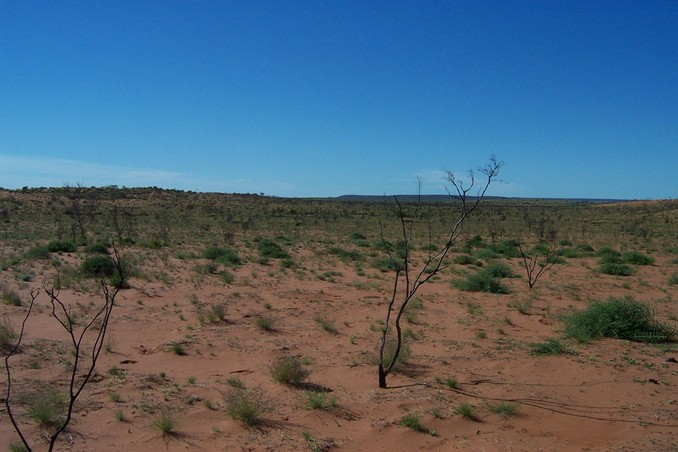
[{"x": 324, "y": 98}]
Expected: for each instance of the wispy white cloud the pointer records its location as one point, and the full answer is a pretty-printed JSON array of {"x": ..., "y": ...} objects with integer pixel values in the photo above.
[{"x": 36, "y": 171}]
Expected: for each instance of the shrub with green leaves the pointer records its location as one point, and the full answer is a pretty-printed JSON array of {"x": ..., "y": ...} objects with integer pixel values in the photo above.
[
  {"x": 619, "y": 318},
  {"x": 615, "y": 269},
  {"x": 65, "y": 246},
  {"x": 637, "y": 258},
  {"x": 98, "y": 266},
  {"x": 289, "y": 370},
  {"x": 226, "y": 256},
  {"x": 499, "y": 270},
  {"x": 506, "y": 248},
  {"x": 37, "y": 252},
  {"x": 481, "y": 281},
  {"x": 270, "y": 249},
  {"x": 673, "y": 279}
]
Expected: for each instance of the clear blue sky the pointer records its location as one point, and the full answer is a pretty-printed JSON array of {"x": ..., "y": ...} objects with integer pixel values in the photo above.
[{"x": 324, "y": 98}]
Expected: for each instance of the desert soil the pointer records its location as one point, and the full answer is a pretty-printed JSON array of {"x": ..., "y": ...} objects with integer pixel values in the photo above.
[{"x": 605, "y": 395}]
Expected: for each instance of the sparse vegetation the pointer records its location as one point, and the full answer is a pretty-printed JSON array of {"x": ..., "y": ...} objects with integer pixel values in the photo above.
[{"x": 549, "y": 347}]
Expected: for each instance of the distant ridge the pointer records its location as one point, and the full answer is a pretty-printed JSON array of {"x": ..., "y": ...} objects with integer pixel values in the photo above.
[{"x": 447, "y": 198}]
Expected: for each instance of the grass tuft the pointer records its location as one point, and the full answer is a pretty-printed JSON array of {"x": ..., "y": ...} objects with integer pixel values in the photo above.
[{"x": 289, "y": 370}]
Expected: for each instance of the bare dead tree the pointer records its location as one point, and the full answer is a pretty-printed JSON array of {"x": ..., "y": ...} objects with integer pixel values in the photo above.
[
  {"x": 538, "y": 263},
  {"x": 84, "y": 361},
  {"x": 404, "y": 269}
]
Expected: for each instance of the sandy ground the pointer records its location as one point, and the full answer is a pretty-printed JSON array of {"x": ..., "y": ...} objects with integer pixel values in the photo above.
[{"x": 608, "y": 395}]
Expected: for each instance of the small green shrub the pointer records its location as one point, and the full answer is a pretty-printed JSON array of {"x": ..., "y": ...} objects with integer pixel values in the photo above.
[
  {"x": 386, "y": 264},
  {"x": 97, "y": 248},
  {"x": 616, "y": 269},
  {"x": 235, "y": 382},
  {"x": 507, "y": 248},
  {"x": 37, "y": 252},
  {"x": 166, "y": 424},
  {"x": 98, "y": 266},
  {"x": 345, "y": 255},
  {"x": 412, "y": 421},
  {"x": 226, "y": 256},
  {"x": 452, "y": 383},
  {"x": 7, "y": 334},
  {"x": 389, "y": 354},
  {"x": 271, "y": 250},
  {"x": 47, "y": 408},
  {"x": 320, "y": 400},
  {"x": 326, "y": 325},
  {"x": 499, "y": 270},
  {"x": 266, "y": 323},
  {"x": 10, "y": 297},
  {"x": 289, "y": 370},
  {"x": 673, "y": 279},
  {"x": 177, "y": 348},
  {"x": 619, "y": 318},
  {"x": 505, "y": 409},
  {"x": 466, "y": 411},
  {"x": 636, "y": 258},
  {"x": 215, "y": 313},
  {"x": 463, "y": 259},
  {"x": 246, "y": 405},
  {"x": 481, "y": 281},
  {"x": 55, "y": 246}
]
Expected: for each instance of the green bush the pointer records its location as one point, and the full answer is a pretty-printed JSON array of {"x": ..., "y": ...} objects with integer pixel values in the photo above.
[
  {"x": 37, "y": 252},
  {"x": 636, "y": 258},
  {"x": 386, "y": 264},
  {"x": 619, "y": 318},
  {"x": 55, "y": 246},
  {"x": 673, "y": 280},
  {"x": 226, "y": 256},
  {"x": 288, "y": 370},
  {"x": 481, "y": 281},
  {"x": 98, "y": 266},
  {"x": 270, "y": 249},
  {"x": 499, "y": 270},
  {"x": 463, "y": 259},
  {"x": 97, "y": 248},
  {"x": 507, "y": 248},
  {"x": 616, "y": 269},
  {"x": 345, "y": 255}
]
